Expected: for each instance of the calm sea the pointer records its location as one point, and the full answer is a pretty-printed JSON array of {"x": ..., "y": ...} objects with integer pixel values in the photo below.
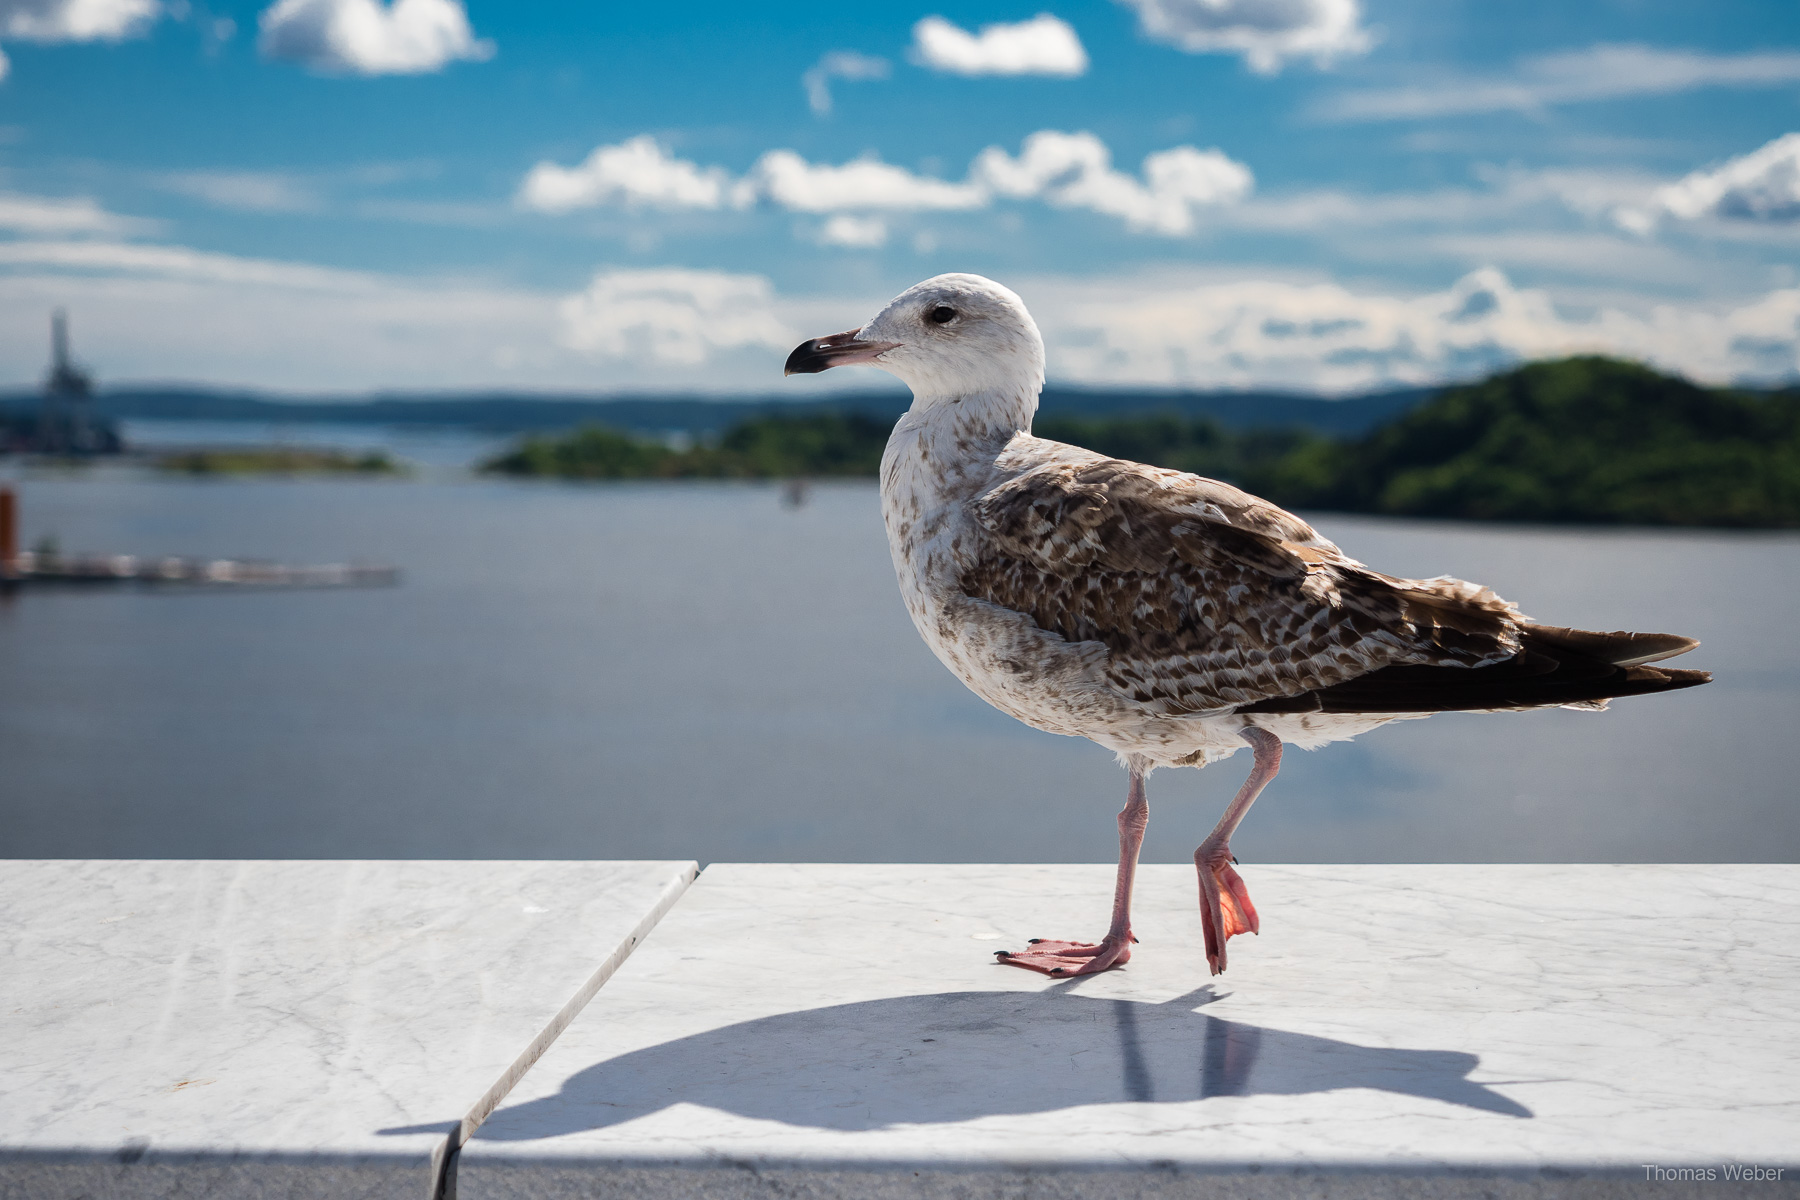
[{"x": 624, "y": 671}]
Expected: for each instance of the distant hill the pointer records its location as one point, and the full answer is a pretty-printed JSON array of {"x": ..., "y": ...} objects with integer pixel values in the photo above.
[
  {"x": 765, "y": 446},
  {"x": 522, "y": 412},
  {"x": 1579, "y": 439}
]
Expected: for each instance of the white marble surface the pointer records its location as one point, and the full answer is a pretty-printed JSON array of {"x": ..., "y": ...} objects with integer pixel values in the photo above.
[
  {"x": 340, "y": 1014},
  {"x": 1530, "y": 1020}
]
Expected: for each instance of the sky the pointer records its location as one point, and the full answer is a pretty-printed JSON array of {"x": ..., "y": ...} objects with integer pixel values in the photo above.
[{"x": 337, "y": 197}]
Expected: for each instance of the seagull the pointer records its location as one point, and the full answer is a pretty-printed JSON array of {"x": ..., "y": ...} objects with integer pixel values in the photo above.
[{"x": 1170, "y": 618}]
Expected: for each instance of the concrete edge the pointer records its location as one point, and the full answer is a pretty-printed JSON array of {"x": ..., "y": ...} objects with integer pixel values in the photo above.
[
  {"x": 503, "y": 1180},
  {"x": 1171, "y": 1168}
]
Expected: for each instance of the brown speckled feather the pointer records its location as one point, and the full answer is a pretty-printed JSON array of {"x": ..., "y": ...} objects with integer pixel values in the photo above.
[{"x": 1205, "y": 597}]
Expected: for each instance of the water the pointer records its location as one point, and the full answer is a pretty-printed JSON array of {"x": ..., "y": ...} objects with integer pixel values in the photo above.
[{"x": 696, "y": 671}]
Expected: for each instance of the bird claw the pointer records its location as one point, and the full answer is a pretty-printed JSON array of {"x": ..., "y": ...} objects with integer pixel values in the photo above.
[
  {"x": 1062, "y": 959},
  {"x": 1225, "y": 908}
]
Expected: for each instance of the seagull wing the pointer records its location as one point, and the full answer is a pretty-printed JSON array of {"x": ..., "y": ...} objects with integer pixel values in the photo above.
[{"x": 1208, "y": 599}]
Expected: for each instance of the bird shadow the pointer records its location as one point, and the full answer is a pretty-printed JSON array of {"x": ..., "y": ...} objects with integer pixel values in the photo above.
[{"x": 956, "y": 1056}]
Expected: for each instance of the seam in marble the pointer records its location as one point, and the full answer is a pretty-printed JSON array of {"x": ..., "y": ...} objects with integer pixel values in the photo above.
[{"x": 442, "y": 1182}]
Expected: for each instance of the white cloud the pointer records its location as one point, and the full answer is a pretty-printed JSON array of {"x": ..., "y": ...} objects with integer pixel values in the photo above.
[
  {"x": 859, "y": 185},
  {"x": 1044, "y": 45},
  {"x": 1763, "y": 185},
  {"x": 641, "y": 171},
  {"x": 178, "y": 262},
  {"x": 173, "y": 312},
  {"x": 1066, "y": 170},
  {"x": 1548, "y": 225},
  {"x": 1074, "y": 170},
  {"x": 176, "y": 313},
  {"x": 369, "y": 334},
  {"x": 673, "y": 315},
  {"x": 369, "y": 37},
  {"x": 41, "y": 215},
  {"x": 861, "y": 233},
  {"x": 1587, "y": 191},
  {"x": 75, "y": 20},
  {"x": 635, "y": 172},
  {"x": 246, "y": 191},
  {"x": 1597, "y": 258},
  {"x": 1503, "y": 196},
  {"x": 1551, "y": 224},
  {"x": 1259, "y": 332},
  {"x": 1604, "y": 72},
  {"x": 1266, "y": 32},
  {"x": 839, "y": 64}
]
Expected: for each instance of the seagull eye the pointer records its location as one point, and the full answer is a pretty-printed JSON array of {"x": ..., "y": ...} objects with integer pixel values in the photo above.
[{"x": 943, "y": 314}]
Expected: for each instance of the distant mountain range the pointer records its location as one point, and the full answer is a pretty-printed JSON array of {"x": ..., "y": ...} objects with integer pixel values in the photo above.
[{"x": 499, "y": 412}]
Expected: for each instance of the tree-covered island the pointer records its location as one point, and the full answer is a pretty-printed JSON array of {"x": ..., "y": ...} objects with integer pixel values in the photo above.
[
  {"x": 763, "y": 447},
  {"x": 1582, "y": 439}
]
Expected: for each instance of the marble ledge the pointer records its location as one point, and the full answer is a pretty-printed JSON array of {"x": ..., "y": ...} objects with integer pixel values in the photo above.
[
  {"x": 841, "y": 1030},
  {"x": 187, "y": 1028}
]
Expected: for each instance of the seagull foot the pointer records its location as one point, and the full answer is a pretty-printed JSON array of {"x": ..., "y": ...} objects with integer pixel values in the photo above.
[
  {"x": 1225, "y": 908},
  {"x": 1063, "y": 959}
]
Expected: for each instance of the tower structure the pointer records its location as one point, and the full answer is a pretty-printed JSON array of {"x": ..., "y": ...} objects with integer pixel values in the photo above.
[{"x": 65, "y": 422}]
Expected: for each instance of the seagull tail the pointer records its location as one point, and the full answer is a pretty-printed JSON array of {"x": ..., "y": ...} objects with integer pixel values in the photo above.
[
  {"x": 1556, "y": 667},
  {"x": 1619, "y": 648}
]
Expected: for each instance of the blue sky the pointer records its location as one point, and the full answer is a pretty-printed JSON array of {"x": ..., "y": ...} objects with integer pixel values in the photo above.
[{"x": 340, "y": 196}]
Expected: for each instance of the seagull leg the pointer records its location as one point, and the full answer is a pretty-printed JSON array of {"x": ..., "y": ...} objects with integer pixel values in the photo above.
[
  {"x": 1225, "y": 907},
  {"x": 1087, "y": 958}
]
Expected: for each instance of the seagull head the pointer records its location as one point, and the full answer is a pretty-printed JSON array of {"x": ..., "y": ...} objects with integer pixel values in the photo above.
[{"x": 953, "y": 335}]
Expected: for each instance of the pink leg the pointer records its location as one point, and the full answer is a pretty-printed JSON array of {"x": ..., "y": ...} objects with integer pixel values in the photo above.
[
  {"x": 1225, "y": 907},
  {"x": 1086, "y": 958}
]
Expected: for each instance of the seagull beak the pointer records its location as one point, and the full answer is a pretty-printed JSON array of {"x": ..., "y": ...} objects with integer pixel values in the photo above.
[{"x": 838, "y": 350}]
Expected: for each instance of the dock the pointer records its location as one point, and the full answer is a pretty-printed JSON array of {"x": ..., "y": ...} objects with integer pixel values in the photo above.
[
  {"x": 97, "y": 569},
  {"x": 21, "y": 568}
]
